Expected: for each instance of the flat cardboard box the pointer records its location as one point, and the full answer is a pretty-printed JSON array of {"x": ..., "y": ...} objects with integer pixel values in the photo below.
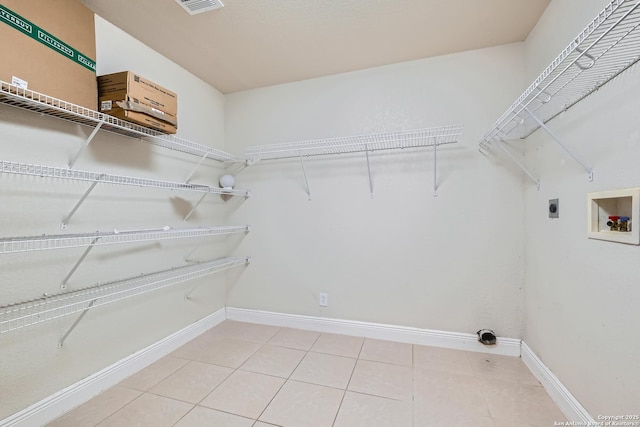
[
  {"x": 143, "y": 119},
  {"x": 57, "y": 57},
  {"x": 136, "y": 87},
  {"x": 122, "y": 100}
]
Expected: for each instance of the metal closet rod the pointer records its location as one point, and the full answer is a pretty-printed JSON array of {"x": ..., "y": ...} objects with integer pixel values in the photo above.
[
  {"x": 608, "y": 46},
  {"x": 78, "y": 175},
  {"x": 13, "y": 95},
  {"x": 414, "y": 138},
  {"x": 49, "y": 307},
  {"x": 64, "y": 241}
]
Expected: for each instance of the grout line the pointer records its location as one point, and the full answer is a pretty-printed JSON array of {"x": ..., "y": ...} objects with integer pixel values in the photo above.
[
  {"x": 187, "y": 413},
  {"x": 349, "y": 382},
  {"x": 273, "y": 376},
  {"x": 118, "y": 410}
]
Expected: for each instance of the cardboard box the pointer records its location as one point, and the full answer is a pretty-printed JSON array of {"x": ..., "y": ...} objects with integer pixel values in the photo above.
[
  {"x": 143, "y": 119},
  {"x": 137, "y": 88},
  {"x": 49, "y": 46},
  {"x": 126, "y": 102},
  {"x": 128, "y": 96}
]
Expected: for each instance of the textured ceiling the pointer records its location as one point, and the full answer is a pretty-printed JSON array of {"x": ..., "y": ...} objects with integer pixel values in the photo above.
[{"x": 255, "y": 43}]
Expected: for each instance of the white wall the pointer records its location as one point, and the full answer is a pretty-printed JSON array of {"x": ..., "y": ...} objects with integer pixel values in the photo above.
[
  {"x": 582, "y": 295},
  {"x": 452, "y": 262},
  {"x": 31, "y": 365}
]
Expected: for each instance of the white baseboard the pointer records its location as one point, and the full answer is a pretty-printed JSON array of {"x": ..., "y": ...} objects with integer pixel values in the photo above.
[
  {"x": 52, "y": 407},
  {"x": 567, "y": 403},
  {"x": 405, "y": 334}
]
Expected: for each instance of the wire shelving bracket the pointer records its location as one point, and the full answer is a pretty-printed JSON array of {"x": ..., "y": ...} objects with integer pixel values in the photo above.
[
  {"x": 48, "y": 307},
  {"x": 65, "y": 221},
  {"x": 86, "y": 144},
  {"x": 13, "y": 95},
  {"x": 417, "y": 138},
  {"x": 608, "y": 46}
]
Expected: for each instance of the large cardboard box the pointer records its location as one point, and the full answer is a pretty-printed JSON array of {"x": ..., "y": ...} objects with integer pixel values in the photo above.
[
  {"x": 49, "y": 46},
  {"x": 128, "y": 96}
]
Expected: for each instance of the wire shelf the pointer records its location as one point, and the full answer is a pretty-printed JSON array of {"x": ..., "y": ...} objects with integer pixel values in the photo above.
[
  {"x": 355, "y": 144},
  {"x": 65, "y": 241},
  {"x": 72, "y": 174},
  {"x": 49, "y": 307},
  {"x": 29, "y": 100},
  {"x": 609, "y": 45}
]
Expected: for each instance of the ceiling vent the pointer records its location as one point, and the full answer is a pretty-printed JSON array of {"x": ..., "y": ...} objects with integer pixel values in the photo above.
[{"x": 194, "y": 7}]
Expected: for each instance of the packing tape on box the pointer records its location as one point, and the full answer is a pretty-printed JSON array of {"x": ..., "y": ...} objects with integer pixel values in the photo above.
[{"x": 27, "y": 27}]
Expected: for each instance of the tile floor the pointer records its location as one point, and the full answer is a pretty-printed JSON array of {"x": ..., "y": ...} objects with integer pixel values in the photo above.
[{"x": 243, "y": 375}]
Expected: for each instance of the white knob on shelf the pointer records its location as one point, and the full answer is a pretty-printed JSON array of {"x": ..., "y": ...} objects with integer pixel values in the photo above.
[{"x": 227, "y": 182}]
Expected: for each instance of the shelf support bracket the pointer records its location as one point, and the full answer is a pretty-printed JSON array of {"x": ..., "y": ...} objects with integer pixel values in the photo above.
[
  {"x": 195, "y": 207},
  {"x": 435, "y": 168},
  {"x": 306, "y": 181},
  {"x": 592, "y": 60},
  {"x": 65, "y": 221},
  {"x": 366, "y": 152},
  {"x": 63, "y": 284},
  {"x": 80, "y": 317},
  {"x": 557, "y": 140},
  {"x": 186, "y": 181},
  {"x": 195, "y": 248},
  {"x": 86, "y": 144},
  {"x": 500, "y": 145}
]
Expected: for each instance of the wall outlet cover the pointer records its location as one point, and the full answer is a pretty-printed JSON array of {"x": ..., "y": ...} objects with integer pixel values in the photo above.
[{"x": 324, "y": 299}]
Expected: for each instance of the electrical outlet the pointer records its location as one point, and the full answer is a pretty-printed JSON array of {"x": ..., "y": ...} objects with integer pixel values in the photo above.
[
  {"x": 554, "y": 208},
  {"x": 324, "y": 299}
]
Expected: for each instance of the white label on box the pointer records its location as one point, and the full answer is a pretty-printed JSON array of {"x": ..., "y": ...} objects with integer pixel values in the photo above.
[
  {"x": 106, "y": 105},
  {"x": 22, "y": 84}
]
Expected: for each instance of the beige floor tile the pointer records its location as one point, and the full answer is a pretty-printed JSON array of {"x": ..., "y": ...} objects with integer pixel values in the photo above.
[
  {"x": 204, "y": 417},
  {"x": 325, "y": 369},
  {"x": 192, "y": 382},
  {"x": 521, "y": 403},
  {"x": 245, "y": 331},
  {"x": 228, "y": 352},
  {"x": 382, "y": 379},
  {"x": 261, "y": 424},
  {"x": 452, "y": 419},
  {"x": 339, "y": 345},
  {"x": 361, "y": 410},
  {"x": 294, "y": 338},
  {"x": 97, "y": 409},
  {"x": 154, "y": 373},
  {"x": 244, "y": 393},
  {"x": 509, "y": 423},
  {"x": 196, "y": 346},
  {"x": 439, "y": 394},
  {"x": 189, "y": 351},
  {"x": 387, "y": 352},
  {"x": 442, "y": 359},
  {"x": 501, "y": 367},
  {"x": 148, "y": 410},
  {"x": 276, "y": 361},
  {"x": 303, "y": 405}
]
